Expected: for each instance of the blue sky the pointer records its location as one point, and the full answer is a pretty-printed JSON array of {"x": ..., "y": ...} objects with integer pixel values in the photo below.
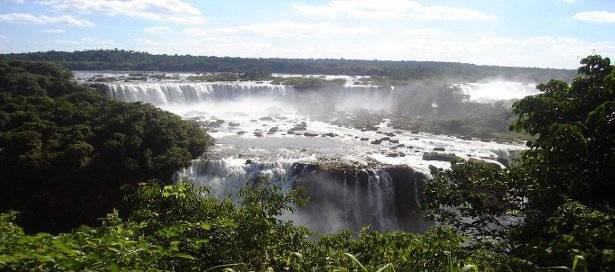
[{"x": 539, "y": 33}]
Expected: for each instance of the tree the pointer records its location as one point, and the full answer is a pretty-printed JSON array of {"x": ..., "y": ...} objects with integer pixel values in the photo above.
[{"x": 65, "y": 151}]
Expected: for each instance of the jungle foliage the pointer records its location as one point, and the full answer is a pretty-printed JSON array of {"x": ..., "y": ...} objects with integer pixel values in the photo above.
[
  {"x": 556, "y": 201},
  {"x": 65, "y": 150}
]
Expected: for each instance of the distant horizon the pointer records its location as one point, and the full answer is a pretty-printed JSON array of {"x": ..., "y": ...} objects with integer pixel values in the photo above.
[
  {"x": 521, "y": 33},
  {"x": 289, "y": 58}
]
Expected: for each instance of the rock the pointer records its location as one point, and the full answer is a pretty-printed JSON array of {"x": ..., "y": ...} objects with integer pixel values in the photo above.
[
  {"x": 370, "y": 127},
  {"x": 241, "y": 132},
  {"x": 266, "y": 118},
  {"x": 364, "y": 139},
  {"x": 309, "y": 134},
  {"x": 394, "y": 141},
  {"x": 330, "y": 134},
  {"x": 248, "y": 161},
  {"x": 384, "y": 139},
  {"x": 297, "y": 127},
  {"x": 402, "y": 154},
  {"x": 414, "y": 132},
  {"x": 212, "y": 124},
  {"x": 231, "y": 124},
  {"x": 401, "y": 145},
  {"x": 435, "y": 156},
  {"x": 438, "y": 149},
  {"x": 376, "y": 142},
  {"x": 392, "y": 154},
  {"x": 272, "y": 130},
  {"x": 390, "y": 134},
  {"x": 258, "y": 133}
]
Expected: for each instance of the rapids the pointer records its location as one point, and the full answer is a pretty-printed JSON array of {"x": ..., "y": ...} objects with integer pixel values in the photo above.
[{"x": 355, "y": 176}]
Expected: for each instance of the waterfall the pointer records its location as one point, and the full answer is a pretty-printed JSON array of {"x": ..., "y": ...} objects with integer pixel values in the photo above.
[{"x": 184, "y": 93}]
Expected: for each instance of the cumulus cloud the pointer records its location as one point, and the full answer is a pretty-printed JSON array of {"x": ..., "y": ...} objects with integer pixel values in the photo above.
[
  {"x": 596, "y": 16},
  {"x": 283, "y": 29},
  {"x": 26, "y": 18},
  {"x": 157, "y": 29},
  {"x": 175, "y": 11},
  {"x": 393, "y": 9}
]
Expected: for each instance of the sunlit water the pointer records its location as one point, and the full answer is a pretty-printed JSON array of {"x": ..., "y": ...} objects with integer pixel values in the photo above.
[{"x": 265, "y": 129}]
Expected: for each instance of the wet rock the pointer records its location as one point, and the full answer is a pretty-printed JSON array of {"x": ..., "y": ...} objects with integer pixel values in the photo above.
[
  {"x": 272, "y": 130},
  {"x": 298, "y": 127},
  {"x": 266, "y": 118},
  {"x": 414, "y": 132},
  {"x": 258, "y": 133},
  {"x": 364, "y": 139},
  {"x": 370, "y": 127},
  {"x": 241, "y": 132},
  {"x": 394, "y": 141},
  {"x": 438, "y": 149},
  {"x": 212, "y": 124},
  {"x": 376, "y": 142},
  {"x": 393, "y": 155},
  {"x": 390, "y": 134},
  {"x": 435, "y": 156},
  {"x": 402, "y": 154},
  {"x": 330, "y": 134},
  {"x": 231, "y": 124},
  {"x": 401, "y": 145},
  {"x": 309, "y": 134},
  {"x": 248, "y": 161},
  {"x": 384, "y": 139}
]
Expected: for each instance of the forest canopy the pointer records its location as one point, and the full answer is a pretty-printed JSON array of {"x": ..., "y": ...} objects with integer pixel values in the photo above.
[
  {"x": 253, "y": 68},
  {"x": 65, "y": 150}
]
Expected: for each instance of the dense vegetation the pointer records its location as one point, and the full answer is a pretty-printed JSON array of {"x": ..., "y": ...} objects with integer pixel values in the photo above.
[
  {"x": 252, "y": 68},
  {"x": 552, "y": 207},
  {"x": 65, "y": 150},
  {"x": 557, "y": 200}
]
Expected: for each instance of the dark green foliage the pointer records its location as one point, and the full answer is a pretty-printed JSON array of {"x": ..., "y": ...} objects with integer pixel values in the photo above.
[
  {"x": 181, "y": 228},
  {"x": 65, "y": 150},
  {"x": 251, "y": 68},
  {"x": 562, "y": 187},
  {"x": 308, "y": 83}
]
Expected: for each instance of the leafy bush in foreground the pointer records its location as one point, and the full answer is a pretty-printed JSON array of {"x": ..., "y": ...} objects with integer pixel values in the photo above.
[{"x": 182, "y": 228}]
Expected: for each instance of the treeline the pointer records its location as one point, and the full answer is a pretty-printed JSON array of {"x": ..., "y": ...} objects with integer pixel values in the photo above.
[{"x": 258, "y": 67}]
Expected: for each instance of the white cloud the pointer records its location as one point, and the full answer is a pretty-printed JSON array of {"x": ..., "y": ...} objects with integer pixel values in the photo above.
[
  {"x": 283, "y": 29},
  {"x": 54, "y": 31},
  {"x": 567, "y": 1},
  {"x": 157, "y": 29},
  {"x": 393, "y": 9},
  {"x": 26, "y": 18},
  {"x": 2, "y": 36},
  {"x": 88, "y": 42},
  {"x": 596, "y": 16},
  {"x": 175, "y": 11}
]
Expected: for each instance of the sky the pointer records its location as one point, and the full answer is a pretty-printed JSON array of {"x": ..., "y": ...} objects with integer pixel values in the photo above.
[{"x": 530, "y": 33}]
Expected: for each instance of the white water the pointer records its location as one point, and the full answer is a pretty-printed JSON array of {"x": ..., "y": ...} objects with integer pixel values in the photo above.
[
  {"x": 248, "y": 146},
  {"x": 491, "y": 91}
]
